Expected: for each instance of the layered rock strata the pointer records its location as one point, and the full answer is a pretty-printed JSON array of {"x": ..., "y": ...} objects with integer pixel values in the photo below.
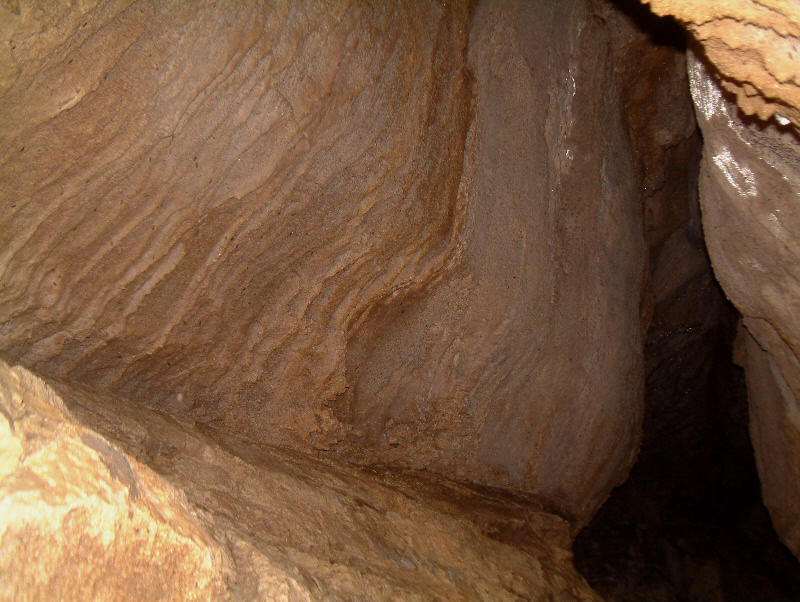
[
  {"x": 85, "y": 518},
  {"x": 405, "y": 234},
  {"x": 754, "y": 46}
]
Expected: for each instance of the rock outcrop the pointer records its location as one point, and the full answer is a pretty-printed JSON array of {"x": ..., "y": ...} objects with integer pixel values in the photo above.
[
  {"x": 83, "y": 518},
  {"x": 754, "y": 47},
  {"x": 749, "y": 188},
  {"x": 80, "y": 520},
  {"x": 381, "y": 233}
]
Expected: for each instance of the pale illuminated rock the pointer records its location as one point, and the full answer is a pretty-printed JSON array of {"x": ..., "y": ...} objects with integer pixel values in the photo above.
[
  {"x": 79, "y": 520},
  {"x": 82, "y": 519},
  {"x": 754, "y": 46}
]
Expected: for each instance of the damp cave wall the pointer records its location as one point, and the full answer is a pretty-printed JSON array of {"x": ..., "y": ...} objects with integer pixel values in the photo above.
[{"x": 424, "y": 236}]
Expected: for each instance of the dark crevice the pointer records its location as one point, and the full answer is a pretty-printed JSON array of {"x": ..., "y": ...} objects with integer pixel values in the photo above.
[{"x": 689, "y": 524}]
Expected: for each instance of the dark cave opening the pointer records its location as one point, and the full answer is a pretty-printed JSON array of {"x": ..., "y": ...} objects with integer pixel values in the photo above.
[{"x": 689, "y": 523}]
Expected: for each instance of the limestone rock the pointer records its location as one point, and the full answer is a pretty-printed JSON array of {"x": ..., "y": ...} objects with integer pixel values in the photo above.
[
  {"x": 503, "y": 373},
  {"x": 749, "y": 188},
  {"x": 383, "y": 232},
  {"x": 775, "y": 426},
  {"x": 80, "y": 520},
  {"x": 754, "y": 46},
  {"x": 240, "y": 522}
]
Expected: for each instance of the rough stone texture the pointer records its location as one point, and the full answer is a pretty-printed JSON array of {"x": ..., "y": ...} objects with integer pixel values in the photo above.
[
  {"x": 682, "y": 302},
  {"x": 754, "y": 46},
  {"x": 507, "y": 364},
  {"x": 749, "y": 188},
  {"x": 248, "y": 522},
  {"x": 383, "y": 232},
  {"x": 215, "y": 242},
  {"x": 80, "y": 520}
]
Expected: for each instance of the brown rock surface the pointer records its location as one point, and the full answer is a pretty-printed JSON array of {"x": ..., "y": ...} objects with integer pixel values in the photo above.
[
  {"x": 382, "y": 232},
  {"x": 237, "y": 521},
  {"x": 508, "y": 364},
  {"x": 683, "y": 302},
  {"x": 754, "y": 46},
  {"x": 749, "y": 188},
  {"x": 775, "y": 426}
]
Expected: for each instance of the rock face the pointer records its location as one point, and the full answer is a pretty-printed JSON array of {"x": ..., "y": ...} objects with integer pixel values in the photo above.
[
  {"x": 406, "y": 234},
  {"x": 749, "y": 188},
  {"x": 80, "y": 520},
  {"x": 502, "y": 373},
  {"x": 754, "y": 47},
  {"x": 750, "y": 181},
  {"x": 238, "y": 522},
  {"x": 682, "y": 300}
]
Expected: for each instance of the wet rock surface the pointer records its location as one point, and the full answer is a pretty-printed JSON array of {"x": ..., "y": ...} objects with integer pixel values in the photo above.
[
  {"x": 749, "y": 188},
  {"x": 689, "y": 524}
]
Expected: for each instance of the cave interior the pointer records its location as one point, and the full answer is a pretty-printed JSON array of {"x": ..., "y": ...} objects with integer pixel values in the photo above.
[{"x": 211, "y": 344}]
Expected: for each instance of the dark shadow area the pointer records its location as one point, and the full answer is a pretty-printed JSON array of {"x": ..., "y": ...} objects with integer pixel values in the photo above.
[
  {"x": 661, "y": 31},
  {"x": 689, "y": 523}
]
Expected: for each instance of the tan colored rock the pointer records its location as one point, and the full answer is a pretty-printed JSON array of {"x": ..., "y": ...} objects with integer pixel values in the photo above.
[
  {"x": 754, "y": 46},
  {"x": 79, "y": 520},
  {"x": 241, "y": 522},
  {"x": 383, "y": 233},
  {"x": 749, "y": 189}
]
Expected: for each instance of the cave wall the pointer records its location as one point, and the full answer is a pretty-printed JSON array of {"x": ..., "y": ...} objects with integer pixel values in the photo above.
[
  {"x": 103, "y": 499},
  {"x": 744, "y": 78},
  {"x": 403, "y": 234},
  {"x": 749, "y": 187},
  {"x": 504, "y": 365},
  {"x": 753, "y": 46},
  {"x": 202, "y": 203}
]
